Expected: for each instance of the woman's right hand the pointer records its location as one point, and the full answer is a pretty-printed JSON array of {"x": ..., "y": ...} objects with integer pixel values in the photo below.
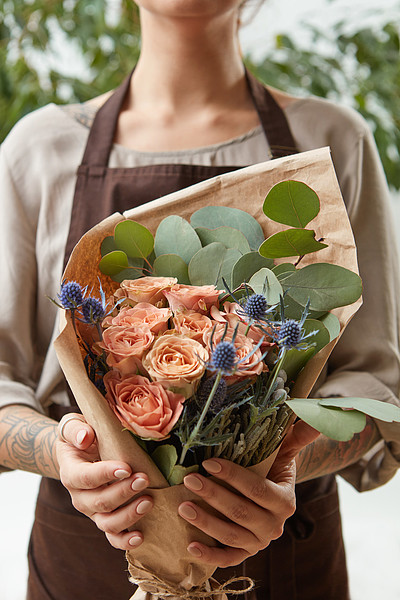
[{"x": 105, "y": 491}]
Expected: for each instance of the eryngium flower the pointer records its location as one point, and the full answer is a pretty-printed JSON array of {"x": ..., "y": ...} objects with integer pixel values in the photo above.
[
  {"x": 290, "y": 333},
  {"x": 204, "y": 391},
  {"x": 255, "y": 307},
  {"x": 223, "y": 357},
  {"x": 71, "y": 295},
  {"x": 93, "y": 310}
]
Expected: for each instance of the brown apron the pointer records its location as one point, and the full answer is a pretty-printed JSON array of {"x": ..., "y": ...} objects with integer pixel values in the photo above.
[{"x": 69, "y": 558}]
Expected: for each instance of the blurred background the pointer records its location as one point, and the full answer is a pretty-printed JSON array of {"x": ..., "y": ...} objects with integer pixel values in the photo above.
[{"x": 344, "y": 50}]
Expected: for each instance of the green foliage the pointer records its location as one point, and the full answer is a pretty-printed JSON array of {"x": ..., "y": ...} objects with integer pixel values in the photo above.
[
  {"x": 28, "y": 29},
  {"x": 361, "y": 68}
]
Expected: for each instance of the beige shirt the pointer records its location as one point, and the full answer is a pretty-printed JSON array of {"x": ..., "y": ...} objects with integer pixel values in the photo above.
[{"x": 38, "y": 164}]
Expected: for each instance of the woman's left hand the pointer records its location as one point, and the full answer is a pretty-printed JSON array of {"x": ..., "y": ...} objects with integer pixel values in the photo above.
[{"x": 256, "y": 515}]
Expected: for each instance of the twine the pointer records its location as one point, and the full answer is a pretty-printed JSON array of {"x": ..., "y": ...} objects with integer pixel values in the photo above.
[{"x": 149, "y": 582}]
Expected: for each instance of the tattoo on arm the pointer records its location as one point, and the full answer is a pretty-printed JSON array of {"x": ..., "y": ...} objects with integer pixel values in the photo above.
[
  {"x": 27, "y": 441},
  {"x": 326, "y": 456},
  {"x": 83, "y": 113}
]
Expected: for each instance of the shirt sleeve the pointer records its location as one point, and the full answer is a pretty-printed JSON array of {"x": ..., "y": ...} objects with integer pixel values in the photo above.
[{"x": 366, "y": 361}]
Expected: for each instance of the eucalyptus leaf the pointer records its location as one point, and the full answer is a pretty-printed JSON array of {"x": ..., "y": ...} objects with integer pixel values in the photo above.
[
  {"x": 335, "y": 423},
  {"x": 383, "y": 411},
  {"x": 179, "y": 472},
  {"x": 266, "y": 283},
  {"x": 282, "y": 270},
  {"x": 133, "y": 238},
  {"x": 165, "y": 456},
  {"x": 294, "y": 310},
  {"x": 291, "y": 242},
  {"x": 129, "y": 273},
  {"x": 212, "y": 263},
  {"x": 295, "y": 360},
  {"x": 247, "y": 265},
  {"x": 327, "y": 286},
  {"x": 171, "y": 265},
  {"x": 218, "y": 216},
  {"x": 174, "y": 235},
  {"x": 332, "y": 324},
  {"x": 107, "y": 245},
  {"x": 228, "y": 236},
  {"x": 113, "y": 263},
  {"x": 321, "y": 338},
  {"x": 292, "y": 203}
]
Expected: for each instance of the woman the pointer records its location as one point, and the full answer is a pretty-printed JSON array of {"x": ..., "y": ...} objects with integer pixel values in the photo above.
[{"x": 189, "y": 112}]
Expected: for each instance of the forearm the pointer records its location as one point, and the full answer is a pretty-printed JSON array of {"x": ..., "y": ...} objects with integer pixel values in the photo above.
[
  {"x": 325, "y": 456},
  {"x": 27, "y": 441}
]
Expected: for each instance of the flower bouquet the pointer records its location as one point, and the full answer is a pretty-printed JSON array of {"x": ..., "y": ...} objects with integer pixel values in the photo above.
[{"x": 201, "y": 335}]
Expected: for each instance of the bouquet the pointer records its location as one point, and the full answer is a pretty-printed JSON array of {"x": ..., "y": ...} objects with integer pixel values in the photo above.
[{"x": 201, "y": 335}]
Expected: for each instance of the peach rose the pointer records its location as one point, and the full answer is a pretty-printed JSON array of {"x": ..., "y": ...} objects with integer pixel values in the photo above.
[
  {"x": 177, "y": 362},
  {"x": 192, "y": 324},
  {"x": 125, "y": 347},
  {"x": 142, "y": 314},
  {"x": 145, "y": 289},
  {"x": 199, "y": 298},
  {"x": 251, "y": 365},
  {"x": 142, "y": 406}
]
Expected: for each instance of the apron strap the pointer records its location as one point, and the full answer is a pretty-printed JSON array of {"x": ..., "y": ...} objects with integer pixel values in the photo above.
[{"x": 272, "y": 118}]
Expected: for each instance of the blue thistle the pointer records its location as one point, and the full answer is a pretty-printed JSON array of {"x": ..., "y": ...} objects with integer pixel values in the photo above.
[
  {"x": 255, "y": 307},
  {"x": 223, "y": 357},
  {"x": 290, "y": 334},
  {"x": 204, "y": 391},
  {"x": 93, "y": 311},
  {"x": 71, "y": 295}
]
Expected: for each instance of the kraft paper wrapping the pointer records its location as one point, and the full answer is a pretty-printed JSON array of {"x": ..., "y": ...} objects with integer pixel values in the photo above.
[{"x": 166, "y": 535}]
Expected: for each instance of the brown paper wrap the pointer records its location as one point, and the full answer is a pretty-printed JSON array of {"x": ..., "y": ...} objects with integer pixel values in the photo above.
[{"x": 166, "y": 535}]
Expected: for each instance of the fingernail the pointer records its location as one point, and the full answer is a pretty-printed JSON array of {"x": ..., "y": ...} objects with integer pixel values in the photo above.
[
  {"x": 195, "y": 551},
  {"x": 135, "y": 540},
  {"x": 143, "y": 507},
  {"x": 188, "y": 512},
  {"x": 212, "y": 466},
  {"x": 138, "y": 484},
  {"x": 80, "y": 436},
  {"x": 121, "y": 473},
  {"x": 193, "y": 483}
]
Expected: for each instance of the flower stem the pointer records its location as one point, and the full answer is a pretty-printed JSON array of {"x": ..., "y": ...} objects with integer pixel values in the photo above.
[
  {"x": 275, "y": 372},
  {"x": 195, "y": 431}
]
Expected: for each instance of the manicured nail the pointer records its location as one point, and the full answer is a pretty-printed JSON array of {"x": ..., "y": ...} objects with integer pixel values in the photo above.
[
  {"x": 193, "y": 483},
  {"x": 121, "y": 473},
  {"x": 135, "y": 540},
  {"x": 195, "y": 551},
  {"x": 188, "y": 512},
  {"x": 212, "y": 466},
  {"x": 143, "y": 507},
  {"x": 80, "y": 436},
  {"x": 139, "y": 484}
]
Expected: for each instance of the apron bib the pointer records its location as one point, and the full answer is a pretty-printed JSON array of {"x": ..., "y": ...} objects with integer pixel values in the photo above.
[{"x": 69, "y": 558}]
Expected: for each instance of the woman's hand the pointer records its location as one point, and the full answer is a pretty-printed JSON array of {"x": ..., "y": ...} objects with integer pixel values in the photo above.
[
  {"x": 104, "y": 491},
  {"x": 256, "y": 513}
]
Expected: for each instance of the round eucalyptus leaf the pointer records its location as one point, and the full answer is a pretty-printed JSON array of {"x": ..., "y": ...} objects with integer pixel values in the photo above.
[
  {"x": 295, "y": 360},
  {"x": 174, "y": 235},
  {"x": 327, "y": 286},
  {"x": 228, "y": 236},
  {"x": 332, "y": 324},
  {"x": 335, "y": 423},
  {"x": 113, "y": 263},
  {"x": 266, "y": 283},
  {"x": 321, "y": 338},
  {"x": 212, "y": 263},
  {"x": 132, "y": 272},
  {"x": 292, "y": 203},
  {"x": 383, "y": 411},
  {"x": 282, "y": 270},
  {"x": 294, "y": 310},
  {"x": 133, "y": 238},
  {"x": 291, "y": 242},
  {"x": 247, "y": 265},
  {"x": 171, "y": 265},
  {"x": 218, "y": 216},
  {"x": 107, "y": 245}
]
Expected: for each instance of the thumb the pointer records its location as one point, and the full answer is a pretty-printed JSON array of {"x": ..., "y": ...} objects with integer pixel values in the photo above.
[
  {"x": 74, "y": 430},
  {"x": 299, "y": 436}
]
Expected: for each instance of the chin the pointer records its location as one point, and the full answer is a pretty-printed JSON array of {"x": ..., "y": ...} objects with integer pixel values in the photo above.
[{"x": 188, "y": 8}]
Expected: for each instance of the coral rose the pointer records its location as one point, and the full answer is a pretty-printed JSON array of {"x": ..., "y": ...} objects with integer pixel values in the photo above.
[
  {"x": 142, "y": 406},
  {"x": 192, "y": 324},
  {"x": 145, "y": 289},
  {"x": 199, "y": 298},
  {"x": 125, "y": 347},
  {"x": 177, "y": 362},
  {"x": 156, "y": 319},
  {"x": 251, "y": 365}
]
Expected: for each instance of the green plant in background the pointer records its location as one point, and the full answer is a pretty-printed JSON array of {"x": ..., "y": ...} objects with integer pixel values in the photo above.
[{"x": 362, "y": 67}]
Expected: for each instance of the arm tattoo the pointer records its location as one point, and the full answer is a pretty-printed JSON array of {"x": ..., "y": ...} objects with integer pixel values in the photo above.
[
  {"x": 326, "y": 456},
  {"x": 83, "y": 113},
  {"x": 27, "y": 441}
]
